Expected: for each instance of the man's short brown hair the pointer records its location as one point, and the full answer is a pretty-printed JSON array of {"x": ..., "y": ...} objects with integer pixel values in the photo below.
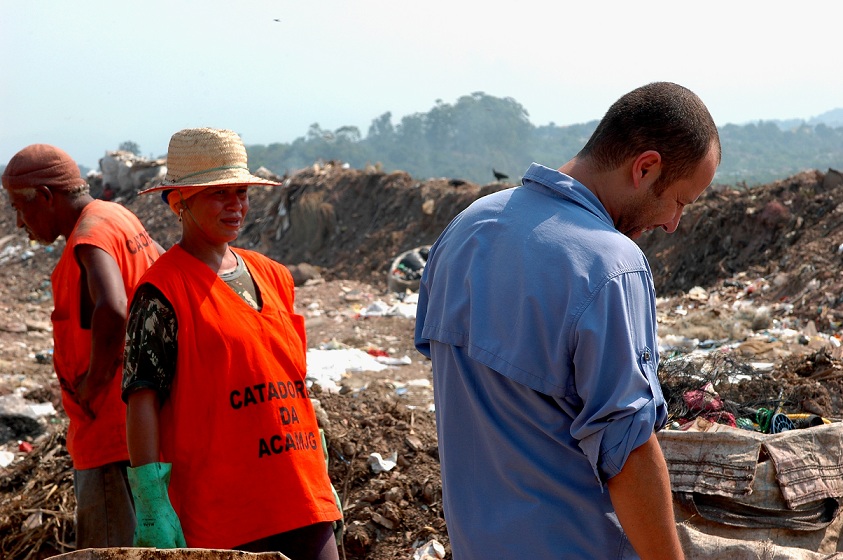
[{"x": 660, "y": 116}]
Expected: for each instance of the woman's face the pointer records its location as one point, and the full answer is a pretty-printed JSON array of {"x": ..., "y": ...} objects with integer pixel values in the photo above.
[{"x": 216, "y": 213}]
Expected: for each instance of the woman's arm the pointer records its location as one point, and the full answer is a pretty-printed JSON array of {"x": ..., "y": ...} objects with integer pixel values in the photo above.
[
  {"x": 148, "y": 370},
  {"x": 142, "y": 427}
]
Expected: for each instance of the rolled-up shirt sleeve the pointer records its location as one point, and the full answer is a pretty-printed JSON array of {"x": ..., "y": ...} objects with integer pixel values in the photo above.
[
  {"x": 149, "y": 360},
  {"x": 618, "y": 401}
]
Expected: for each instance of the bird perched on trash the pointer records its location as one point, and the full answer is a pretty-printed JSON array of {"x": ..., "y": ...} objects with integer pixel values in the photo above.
[{"x": 498, "y": 175}]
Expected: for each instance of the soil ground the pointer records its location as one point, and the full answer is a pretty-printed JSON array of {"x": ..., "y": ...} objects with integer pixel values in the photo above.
[{"x": 751, "y": 301}]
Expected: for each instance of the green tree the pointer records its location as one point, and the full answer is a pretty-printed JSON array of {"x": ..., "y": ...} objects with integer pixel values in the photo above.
[
  {"x": 129, "y": 146},
  {"x": 480, "y": 131}
]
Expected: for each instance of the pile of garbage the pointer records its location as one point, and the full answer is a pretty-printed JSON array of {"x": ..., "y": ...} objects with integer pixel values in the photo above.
[
  {"x": 37, "y": 505},
  {"x": 724, "y": 388},
  {"x": 406, "y": 270}
]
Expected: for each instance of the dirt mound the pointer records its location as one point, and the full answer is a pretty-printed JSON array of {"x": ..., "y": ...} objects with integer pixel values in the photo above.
[
  {"x": 787, "y": 235},
  {"x": 388, "y": 514},
  {"x": 351, "y": 223}
]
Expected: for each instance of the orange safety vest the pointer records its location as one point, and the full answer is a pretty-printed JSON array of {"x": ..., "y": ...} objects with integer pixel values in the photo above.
[
  {"x": 238, "y": 426},
  {"x": 118, "y": 232}
]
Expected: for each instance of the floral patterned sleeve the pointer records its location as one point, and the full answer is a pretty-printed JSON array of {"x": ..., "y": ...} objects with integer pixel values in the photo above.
[{"x": 149, "y": 360}]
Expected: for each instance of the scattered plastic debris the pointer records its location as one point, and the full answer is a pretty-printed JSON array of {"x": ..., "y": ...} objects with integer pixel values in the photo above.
[
  {"x": 431, "y": 550},
  {"x": 35, "y": 520},
  {"x": 44, "y": 357},
  {"x": 6, "y": 458},
  {"x": 328, "y": 367},
  {"x": 380, "y": 464},
  {"x": 406, "y": 270},
  {"x": 379, "y": 308},
  {"x": 391, "y": 361}
]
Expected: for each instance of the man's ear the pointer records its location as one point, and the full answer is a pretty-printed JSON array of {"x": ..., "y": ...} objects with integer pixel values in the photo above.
[
  {"x": 646, "y": 168},
  {"x": 44, "y": 192}
]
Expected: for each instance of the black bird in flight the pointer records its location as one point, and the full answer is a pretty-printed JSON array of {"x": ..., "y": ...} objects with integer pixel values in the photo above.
[{"x": 498, "y": 175}]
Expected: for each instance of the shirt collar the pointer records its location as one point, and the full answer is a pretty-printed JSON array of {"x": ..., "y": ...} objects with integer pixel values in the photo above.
[{"x": 543, "y": 178}]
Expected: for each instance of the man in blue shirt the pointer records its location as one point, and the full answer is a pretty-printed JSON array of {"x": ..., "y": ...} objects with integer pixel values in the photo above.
[{"x": 538, "y": 312}]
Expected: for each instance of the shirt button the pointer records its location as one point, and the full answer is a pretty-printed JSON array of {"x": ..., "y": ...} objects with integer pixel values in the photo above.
[{"x": 646, "y": 355}]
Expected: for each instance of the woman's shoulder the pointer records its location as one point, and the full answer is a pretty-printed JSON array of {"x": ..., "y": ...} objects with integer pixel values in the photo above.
[
  {"x": 175, "y": 269},
  {"x": 259, "y": 259}
]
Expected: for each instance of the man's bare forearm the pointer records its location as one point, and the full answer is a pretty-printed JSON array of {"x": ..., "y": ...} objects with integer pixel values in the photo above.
[{"x": 641, "y": 496}]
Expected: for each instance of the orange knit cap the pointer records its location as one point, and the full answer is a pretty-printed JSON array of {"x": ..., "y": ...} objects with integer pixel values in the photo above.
[{"x": 42, "y": 164}]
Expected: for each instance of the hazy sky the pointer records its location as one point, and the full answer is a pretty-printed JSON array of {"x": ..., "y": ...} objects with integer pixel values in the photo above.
[{"x": 87, "y": 76}]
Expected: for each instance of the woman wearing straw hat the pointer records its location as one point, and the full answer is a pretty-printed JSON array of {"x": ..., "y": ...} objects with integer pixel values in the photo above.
[{"x": 214, "y": 378}]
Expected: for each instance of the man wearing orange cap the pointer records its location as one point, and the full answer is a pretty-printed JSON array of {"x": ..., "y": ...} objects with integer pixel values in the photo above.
[{"x": 107, "y": 251}]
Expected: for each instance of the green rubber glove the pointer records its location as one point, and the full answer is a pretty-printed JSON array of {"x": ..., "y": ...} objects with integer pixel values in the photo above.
[{"x": 158, "y": 525}]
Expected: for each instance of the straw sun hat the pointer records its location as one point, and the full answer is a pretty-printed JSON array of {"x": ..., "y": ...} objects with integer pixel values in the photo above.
[{"x": 205, "y": 157}]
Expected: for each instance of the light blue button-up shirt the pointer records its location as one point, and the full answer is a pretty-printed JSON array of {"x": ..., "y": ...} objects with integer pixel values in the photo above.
[{"x": 540, "y": 319}]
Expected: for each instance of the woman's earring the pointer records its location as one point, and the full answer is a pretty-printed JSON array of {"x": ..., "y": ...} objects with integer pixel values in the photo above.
[{"x": 181, "y": 211}]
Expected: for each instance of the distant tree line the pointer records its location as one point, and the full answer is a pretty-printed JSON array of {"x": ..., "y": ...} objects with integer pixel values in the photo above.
[
  {"x": 764, "y": 152},
  {"x": 480, "y": 132}
]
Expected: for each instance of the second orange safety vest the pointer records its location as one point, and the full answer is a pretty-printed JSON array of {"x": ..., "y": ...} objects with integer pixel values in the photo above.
[
  {"x": 114, "y": 229},
  {"x": 238, "y": 426}
]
